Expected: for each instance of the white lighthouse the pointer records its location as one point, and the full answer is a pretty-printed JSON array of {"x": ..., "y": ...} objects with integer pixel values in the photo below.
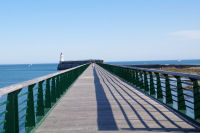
[{"x": 61, "y": 57}]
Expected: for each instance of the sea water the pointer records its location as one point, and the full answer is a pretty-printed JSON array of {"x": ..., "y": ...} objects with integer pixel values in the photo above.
[{"x": 12, "y": 74}]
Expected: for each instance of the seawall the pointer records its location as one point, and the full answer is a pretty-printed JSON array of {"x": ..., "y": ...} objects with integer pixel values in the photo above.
[{"x": 70, "y": 64}]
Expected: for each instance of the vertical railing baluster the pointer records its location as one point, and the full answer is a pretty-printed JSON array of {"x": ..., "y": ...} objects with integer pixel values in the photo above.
[
  {"x": 133, "y": 77},
  {"x": 70, "y": 78},
  {"x": 141, "y": 80},
  {"x": 159, "y": 88},
  {"x": 57, "y": 87},
  {"x": 120, "y": 73},
  {"x": 169, "y": 99},
  {"x": 123, "y": 71},
  {"x": 137, "y": 78},
  {"x": 67, "y": 80},
  {"x": 61, "y": 84},
  {"x": 48, "y": 95},
  {"x": 146, "y": 85},
  {"x": 152, "y": 87},
  {"x": 40, "y": 101},
  {"x": 30, "y": 112},
  {"x": 180, "y": 95},
  {"x": 53, "y": 92},
  {"x": 196, "y": 98},
  {"x": 12, "y": 117},
  {"x": 129, "y": 76}
]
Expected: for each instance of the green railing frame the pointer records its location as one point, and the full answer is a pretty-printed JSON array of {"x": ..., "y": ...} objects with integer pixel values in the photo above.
[
  {"x": 56, "y": 85},
  {"x": 149, "y": 81}
]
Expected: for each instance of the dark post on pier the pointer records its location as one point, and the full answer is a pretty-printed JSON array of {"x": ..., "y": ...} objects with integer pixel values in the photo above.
[{"x": 103, "y": 97}]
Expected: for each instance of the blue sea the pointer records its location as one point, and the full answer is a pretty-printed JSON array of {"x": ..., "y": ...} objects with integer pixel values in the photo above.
[{"x": 12, "y": 74}]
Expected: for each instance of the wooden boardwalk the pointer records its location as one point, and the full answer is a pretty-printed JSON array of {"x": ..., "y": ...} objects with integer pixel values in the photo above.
[{"x": 100, "y": 101}]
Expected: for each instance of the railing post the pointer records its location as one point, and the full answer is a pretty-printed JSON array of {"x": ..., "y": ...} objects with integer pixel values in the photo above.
[
  {"x": 30, "y": 112},
  {"x": 141, "y": 80},
  {"x": 12, "y": 117},
  {"x": 40, "y": 101},
  {"x": 137, "y": 78},
  {"x": 69, "y": 78},
  {"x": 196, "y": 94},
  {"x": 169, "y": 99},
  {"x": 152, "y": 87},
  {"x": 159, "y": 88},
  {"x": 53, "y": 92},
  {"x": 61, "y": 84},
  {"x": 67, "y": 81},
  {"x": 133, "y": 77},
  {"x": 57, "y": 87},
  {"x": 146, "y": 86},
  {"x": 181, "y": 99},
  {"x": 48, "y": 95},
  {"x": 123, "y": 73},
  {"x": 128, "y": 75}
]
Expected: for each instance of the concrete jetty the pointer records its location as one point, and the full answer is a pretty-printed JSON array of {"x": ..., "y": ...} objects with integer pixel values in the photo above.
[
  {"x": 70, "y": 64},
  {"x": 100, "y": 101}
]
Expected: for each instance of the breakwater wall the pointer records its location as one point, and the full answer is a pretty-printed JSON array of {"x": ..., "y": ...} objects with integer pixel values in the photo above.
[{"x": 70, "y": 64}]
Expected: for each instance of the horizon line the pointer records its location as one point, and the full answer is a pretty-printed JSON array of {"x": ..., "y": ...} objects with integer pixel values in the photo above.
[{"x": 104, "y": 61}]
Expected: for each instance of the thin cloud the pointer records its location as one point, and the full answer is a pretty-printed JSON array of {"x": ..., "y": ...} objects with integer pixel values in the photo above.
[{"x": 187, "y": 34}]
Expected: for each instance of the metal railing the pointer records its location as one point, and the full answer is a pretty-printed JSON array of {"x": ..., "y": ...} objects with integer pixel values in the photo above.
[
  {"x": 23, "y": 106},
  {"x": 177, "y": 90}
]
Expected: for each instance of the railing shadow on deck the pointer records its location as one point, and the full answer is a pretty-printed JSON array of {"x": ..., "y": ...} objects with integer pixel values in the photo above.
[
  {"x": 105, "y": 117},
  {"x": 108, "y": 80}
]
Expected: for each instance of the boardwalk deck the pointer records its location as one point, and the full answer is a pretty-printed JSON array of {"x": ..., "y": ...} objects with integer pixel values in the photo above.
[{"x": 100, "y": 101}]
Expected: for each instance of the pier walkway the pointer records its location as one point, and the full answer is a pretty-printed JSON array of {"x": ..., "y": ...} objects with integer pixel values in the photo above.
[{"x": 100, "y": 101}]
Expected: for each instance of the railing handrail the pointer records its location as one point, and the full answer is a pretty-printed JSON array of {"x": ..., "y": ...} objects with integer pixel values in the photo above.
[
  {"x": 18, "y": 86},
  {"x": 191, "y": 76}
]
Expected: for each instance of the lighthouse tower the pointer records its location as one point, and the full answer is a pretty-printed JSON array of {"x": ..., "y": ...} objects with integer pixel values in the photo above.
[{"x": 61, "y": 57}]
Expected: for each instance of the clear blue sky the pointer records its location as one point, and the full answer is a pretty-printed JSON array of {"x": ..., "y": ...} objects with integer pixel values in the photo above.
[{"x": 114, "y": 30}]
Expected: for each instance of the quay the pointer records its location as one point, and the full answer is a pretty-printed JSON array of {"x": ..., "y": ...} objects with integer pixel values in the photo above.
[
  {"x": 70, "y": 64},
  {"x": 103, "y": 98}
]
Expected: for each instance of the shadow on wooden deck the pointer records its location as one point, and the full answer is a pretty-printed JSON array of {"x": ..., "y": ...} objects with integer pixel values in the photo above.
[{"x": 105, "y": 117}]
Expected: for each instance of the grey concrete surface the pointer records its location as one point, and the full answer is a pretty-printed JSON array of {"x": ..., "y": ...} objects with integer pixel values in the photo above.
[{"x": 100, "y": 102}]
